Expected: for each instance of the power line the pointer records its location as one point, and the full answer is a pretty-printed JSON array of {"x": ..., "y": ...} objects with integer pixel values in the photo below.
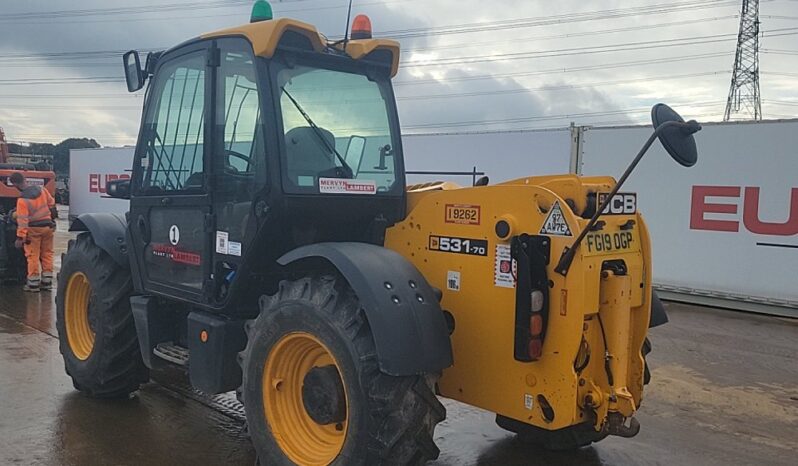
[
  {"x": 115, "y": 54},
  {"x": 622, "y": 47},
  {"x": 780, "y": 51},
  {"x": 603, "y": 66},
  {"x": 470, "y": 44},
  {"x": 559, "y": 87},
  {"x": 117, "y": 15},
  {"x": 494, "y": 92},
  {"x": 396, "y": 34},
  {"x": 549, "y": 117},
  {"x": 414, "y": 82},
  {"x": 792, "y": 103},
  {"x": 549, "y": 20}
]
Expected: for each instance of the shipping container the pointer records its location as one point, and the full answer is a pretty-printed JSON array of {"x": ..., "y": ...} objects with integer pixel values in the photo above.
[
  {"x": 724, "y": 232},
  {"x": 89, "y": 172}
]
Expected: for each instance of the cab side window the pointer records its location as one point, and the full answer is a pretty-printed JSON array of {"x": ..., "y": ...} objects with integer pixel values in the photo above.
[
  {"x": 239, "y": 155},
  {"x": 173, "y": 147},
  {"x": 238, "y": 111}
]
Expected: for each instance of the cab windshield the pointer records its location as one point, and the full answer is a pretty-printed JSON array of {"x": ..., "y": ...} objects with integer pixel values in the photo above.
[{"x": 336, "y": 126}]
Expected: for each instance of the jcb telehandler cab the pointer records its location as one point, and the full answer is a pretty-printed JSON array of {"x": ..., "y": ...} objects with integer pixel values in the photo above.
[{"x": 272, "y": 247}]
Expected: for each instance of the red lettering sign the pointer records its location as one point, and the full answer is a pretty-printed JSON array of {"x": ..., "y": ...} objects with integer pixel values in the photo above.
[
  {"x": 751, "y": 207},
  {"x": 98, "y": 182},
  {"x": 94, "y": 183},
  {"x": 754, "y": 225},
  {"x": 700, "y": 207}
]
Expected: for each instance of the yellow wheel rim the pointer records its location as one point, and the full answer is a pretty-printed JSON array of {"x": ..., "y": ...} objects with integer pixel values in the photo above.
[
  {"x": 80, "y": 335},
  {"x": 301, "y": 439}
]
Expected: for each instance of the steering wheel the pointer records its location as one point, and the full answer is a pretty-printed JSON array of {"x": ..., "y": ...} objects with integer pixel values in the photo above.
[{"x": 238, "y": 155}]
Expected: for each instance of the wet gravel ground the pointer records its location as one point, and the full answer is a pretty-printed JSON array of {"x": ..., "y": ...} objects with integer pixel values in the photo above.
[{"x": 724, "y": 391}]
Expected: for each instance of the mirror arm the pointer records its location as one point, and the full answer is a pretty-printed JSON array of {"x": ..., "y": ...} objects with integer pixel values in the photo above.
[{"x": 568, "y": 254}]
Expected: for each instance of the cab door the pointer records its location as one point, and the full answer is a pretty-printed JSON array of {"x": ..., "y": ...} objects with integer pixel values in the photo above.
[
  {"x": 239, "y": 162},
  {"x": 171, "y": 201}
]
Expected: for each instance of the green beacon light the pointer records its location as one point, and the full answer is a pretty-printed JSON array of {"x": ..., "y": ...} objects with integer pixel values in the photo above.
[{"x": 261, "y": 11}]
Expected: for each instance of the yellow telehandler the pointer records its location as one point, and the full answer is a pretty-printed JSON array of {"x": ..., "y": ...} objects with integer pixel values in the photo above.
[{"x": 273, "y": 247}]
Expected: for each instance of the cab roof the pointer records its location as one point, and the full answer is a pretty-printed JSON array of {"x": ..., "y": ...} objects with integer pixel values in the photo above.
[{"x": 265, "y": 37}]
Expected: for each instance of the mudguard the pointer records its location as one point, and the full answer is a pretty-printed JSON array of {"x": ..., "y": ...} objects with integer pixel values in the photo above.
[
  {"x": 108, "y": 232},
  {"x": 658, "y": 315},
  {"x": 403, "y": 312}
]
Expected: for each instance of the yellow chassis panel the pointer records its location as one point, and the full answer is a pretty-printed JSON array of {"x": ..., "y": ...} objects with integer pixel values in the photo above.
[{"x": 485, "y": 373}]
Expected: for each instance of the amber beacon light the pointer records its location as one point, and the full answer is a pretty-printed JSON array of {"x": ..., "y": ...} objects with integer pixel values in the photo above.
[{"x": 361, "y": 27}]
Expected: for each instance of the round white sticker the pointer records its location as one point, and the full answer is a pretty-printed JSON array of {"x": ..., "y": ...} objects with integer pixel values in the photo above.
[{"x": 174, "y": 235}]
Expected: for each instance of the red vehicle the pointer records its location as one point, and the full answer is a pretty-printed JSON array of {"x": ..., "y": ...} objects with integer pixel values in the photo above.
[{"x": 12, "y": 261}]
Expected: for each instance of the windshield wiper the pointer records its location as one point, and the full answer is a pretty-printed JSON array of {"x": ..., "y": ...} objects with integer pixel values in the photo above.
[{"x": 318, "y": 133}]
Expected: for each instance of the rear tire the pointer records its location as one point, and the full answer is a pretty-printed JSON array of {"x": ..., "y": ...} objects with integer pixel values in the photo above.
[
  {"x": 646, "y": 371},
  {"x": 569, "y": 438},
  {"x": 97, "y": 334},
  {"x": 383, "y": 419}
]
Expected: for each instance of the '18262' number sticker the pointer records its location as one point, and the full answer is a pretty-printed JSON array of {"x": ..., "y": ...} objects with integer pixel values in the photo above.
[
  {"x": 474, "y": 247},
  {"x": 463, "y": 214}
]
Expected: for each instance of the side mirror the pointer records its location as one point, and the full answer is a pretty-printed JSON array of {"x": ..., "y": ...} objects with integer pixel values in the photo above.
[
  {"x": 678, "y": 140},
  {"x": 134, "y": 75},
  {"x": 118, "y": 189},
  {"x": 676, "y": 137},
  {"x": 354, "y": 152}
]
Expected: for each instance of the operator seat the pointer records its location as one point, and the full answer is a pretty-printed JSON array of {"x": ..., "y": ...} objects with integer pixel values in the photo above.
[{"x": 306, "y": 155}]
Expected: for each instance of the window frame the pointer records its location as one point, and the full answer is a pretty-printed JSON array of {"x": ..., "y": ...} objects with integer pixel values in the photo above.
[
  {"x": 347, "y": 65},
  {"x": 264, "y": 167},
  {"x": 202, "y": 49}
]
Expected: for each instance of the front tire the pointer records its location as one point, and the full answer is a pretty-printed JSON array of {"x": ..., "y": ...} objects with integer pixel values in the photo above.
[
  {"x": 313, "y": 391},
  {"x": 97, "y": 334}
]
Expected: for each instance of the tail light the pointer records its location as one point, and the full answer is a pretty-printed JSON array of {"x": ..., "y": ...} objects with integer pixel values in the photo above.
[{"x": 532, "y": 290}]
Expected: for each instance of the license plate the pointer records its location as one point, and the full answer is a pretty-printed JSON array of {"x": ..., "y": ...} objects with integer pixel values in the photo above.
[{"x": 599, "y": 243}]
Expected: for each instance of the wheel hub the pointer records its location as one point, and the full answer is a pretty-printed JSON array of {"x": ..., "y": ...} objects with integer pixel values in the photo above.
[
  {"x": 303, "y": 395},
  {"x": 79, "y": 321},
  {"x": 323, "y": 395}
]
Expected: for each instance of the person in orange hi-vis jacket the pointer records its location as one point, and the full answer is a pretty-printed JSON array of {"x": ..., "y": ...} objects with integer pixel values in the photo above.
[{"x": 35, "y": 217}]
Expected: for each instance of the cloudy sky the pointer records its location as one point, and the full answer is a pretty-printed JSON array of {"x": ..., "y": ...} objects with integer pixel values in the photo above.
[{"x": 467, "y": 65}]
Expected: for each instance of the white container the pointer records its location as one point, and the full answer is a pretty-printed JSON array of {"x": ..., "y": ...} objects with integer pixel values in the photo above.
[
  {"x": 89, "y": 172},
  {"x": 713, "y": 241}
]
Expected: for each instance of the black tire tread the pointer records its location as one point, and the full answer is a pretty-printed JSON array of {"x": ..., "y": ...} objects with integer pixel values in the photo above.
[
  {"x": 404, "y": 410},
  {"x": 120, "y": 369}
]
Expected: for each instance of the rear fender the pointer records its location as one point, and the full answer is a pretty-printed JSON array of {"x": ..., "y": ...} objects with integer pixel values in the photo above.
[
  {"x": 402, "y": 309},
  {"x": 108, "y": 232}
]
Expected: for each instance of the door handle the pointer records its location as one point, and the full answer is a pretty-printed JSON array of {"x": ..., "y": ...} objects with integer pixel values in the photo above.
[
  {"x": 166, "y": 201},
  {"x": 144, "y": 229}
]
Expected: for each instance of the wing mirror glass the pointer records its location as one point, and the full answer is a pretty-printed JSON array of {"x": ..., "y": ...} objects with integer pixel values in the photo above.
[
  {"x": 134, "y": 75},
  {"x": 678, "y": 140},
  {"x": 118, "y": 189}
]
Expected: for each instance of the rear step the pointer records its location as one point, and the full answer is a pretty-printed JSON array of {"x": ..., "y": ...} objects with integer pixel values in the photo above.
[{"x": 172, "y": 353}]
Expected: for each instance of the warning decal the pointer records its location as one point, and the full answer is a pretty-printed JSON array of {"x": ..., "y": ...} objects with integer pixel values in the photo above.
[
  {"x": 505, "y": 269},
  {"x": 555, "y": 223}
]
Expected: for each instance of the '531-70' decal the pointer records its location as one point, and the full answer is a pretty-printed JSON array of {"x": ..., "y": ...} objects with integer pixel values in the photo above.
[{"x": 474, "y": 247}]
